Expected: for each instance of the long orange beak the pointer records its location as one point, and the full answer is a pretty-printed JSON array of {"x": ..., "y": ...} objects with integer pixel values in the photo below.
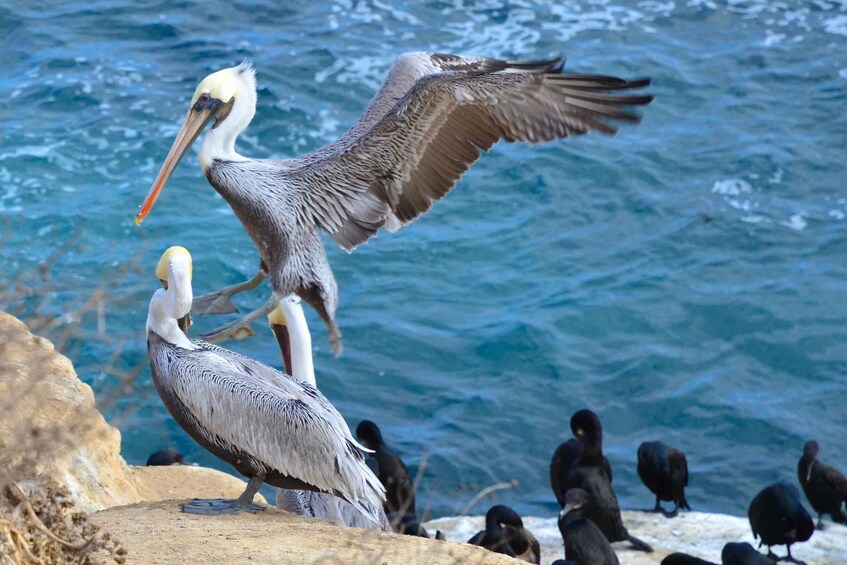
[{"x": 195, "y": 121}]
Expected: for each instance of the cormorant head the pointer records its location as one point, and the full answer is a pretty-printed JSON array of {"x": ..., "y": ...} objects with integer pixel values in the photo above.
[{"x": 369, "y": 434}]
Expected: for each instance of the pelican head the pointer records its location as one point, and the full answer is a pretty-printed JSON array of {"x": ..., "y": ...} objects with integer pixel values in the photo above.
[
  {"x": 228, "y": 97},
  {"x": 171, "y": 262},
  {"x": 170, "y": 307}
]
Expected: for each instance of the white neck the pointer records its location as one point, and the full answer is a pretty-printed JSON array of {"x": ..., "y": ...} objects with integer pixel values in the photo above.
[
  {"x": 219, "y": 142},
  {"x": 168, "y": 306},
  {"x": 301, "y": 341}
]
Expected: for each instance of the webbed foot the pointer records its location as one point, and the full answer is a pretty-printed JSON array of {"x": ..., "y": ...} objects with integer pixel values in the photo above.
[
  {"x": 240, "y": 328},
  {"x": 219, "y": 303},
  {"x": 213, "y": 304},
  {"x": 233, "y": 330}
]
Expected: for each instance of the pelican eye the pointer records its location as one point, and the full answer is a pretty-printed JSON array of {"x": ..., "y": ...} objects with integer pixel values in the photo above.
[{"x": 203, "y": 102}]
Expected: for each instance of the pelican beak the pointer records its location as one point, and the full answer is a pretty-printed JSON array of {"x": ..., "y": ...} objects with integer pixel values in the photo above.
[
  {"x": 184, "y": 323},
  {"x": 284, "y": 341},
  {"x": 195, "y": 121}
]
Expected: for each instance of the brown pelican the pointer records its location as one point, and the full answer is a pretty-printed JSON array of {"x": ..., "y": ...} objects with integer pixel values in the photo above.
[
  {"x": 425, "y": 126},
  {"x": 288, "y": 324},
  {"x": 269, "y": 426}
]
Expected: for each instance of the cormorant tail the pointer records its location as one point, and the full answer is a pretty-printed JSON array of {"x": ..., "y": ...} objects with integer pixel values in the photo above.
[{"x": 638, "y": 544}]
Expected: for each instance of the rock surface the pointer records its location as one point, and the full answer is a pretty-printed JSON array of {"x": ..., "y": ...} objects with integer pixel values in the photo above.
[
  {"x": 51, "y": 430},
  {"x": 696, "y": 533},
  {"x": 50, "y": 427},
  {"x": 157, "y": 532}
]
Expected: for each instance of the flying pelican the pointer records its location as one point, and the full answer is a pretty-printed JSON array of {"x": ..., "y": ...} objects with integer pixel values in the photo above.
[
  {"x": 288, "y": 324},
  {"x": 425, "y": 126},
  {"x": 271, "y": 427}
]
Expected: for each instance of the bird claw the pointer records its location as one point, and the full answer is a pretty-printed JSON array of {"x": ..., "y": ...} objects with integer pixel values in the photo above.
[
  {"x": 219, "y": 506},
  {"x": 213, "y": 304},
  {"x": 234, "y": 330}
]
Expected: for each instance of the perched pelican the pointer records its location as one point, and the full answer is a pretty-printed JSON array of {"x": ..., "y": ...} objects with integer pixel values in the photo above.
[
  {"x": 288, "y": 324},
  {"x": 271, "y": 427},
  {"x": 427, "y": 124}
]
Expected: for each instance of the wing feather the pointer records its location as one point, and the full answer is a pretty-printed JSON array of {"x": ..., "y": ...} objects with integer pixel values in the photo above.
[
  {"x": 283, "y": 422},
  {"x": 430, "y": 121}
]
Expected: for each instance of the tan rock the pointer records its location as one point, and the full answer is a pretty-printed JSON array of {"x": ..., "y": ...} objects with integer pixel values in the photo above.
[
  {"x": 187, "y": 481},
  {"x": 50, "y": 427},
  {"x": 158, "y": 533},
  {"x": 51, "y": 430}
]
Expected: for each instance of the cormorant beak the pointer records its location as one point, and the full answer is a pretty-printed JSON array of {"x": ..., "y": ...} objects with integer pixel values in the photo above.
[
  {"x": 198, "y": 116},
  {"x": 580, "y": 432},
  {"x": 568, "y": 508}
]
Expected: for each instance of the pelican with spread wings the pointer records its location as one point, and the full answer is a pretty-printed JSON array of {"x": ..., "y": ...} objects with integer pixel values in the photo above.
[{"x": 429, "y": 121}]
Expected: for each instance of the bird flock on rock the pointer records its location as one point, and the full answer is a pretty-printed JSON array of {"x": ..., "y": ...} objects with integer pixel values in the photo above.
[{"x": 428, "y": 123}]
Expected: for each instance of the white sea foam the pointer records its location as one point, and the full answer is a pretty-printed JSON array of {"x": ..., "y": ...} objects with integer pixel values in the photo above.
[
  {"x": 772, "y": 38},
  {"x": 731, "y": 187},
  {"x": 796, "y": 221},
  {"x": 367, "y": 70},
  {"x": 836, "y": 25}
]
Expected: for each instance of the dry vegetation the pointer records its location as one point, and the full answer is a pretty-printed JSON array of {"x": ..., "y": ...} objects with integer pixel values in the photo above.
[
  {"x": 39, "y": 524},
  {"x": 38, "y": 521}
]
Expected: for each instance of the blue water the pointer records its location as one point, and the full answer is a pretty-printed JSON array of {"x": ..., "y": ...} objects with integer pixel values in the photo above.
[{"x": 685, "y": 279}]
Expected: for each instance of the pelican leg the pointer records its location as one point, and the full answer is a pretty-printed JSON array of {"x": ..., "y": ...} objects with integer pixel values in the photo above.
[
  {"x": 219, "y": 302},
  {"x": 240, "y": 328},
  {"x": 215, "y": 506},
  {"x": 313, "y": 298}
]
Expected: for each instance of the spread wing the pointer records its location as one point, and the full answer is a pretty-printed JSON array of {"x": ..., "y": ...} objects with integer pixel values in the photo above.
[
  {"x": 283, "y": 422},
  {"x": 430, "y": 122}
]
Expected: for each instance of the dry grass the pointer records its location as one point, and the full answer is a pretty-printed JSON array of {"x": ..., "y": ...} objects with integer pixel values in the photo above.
[{"x": 39, "y": 524}]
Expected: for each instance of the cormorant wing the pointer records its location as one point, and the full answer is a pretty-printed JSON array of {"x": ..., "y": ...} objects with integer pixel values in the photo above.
[{"x": 677, "y": 459}]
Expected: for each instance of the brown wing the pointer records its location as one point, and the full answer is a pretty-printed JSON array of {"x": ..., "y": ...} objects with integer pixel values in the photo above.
[{"x": 415, "y": 153}]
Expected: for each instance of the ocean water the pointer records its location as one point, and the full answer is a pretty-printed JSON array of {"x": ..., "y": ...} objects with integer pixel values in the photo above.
[{"x": 685, "y": 279}]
